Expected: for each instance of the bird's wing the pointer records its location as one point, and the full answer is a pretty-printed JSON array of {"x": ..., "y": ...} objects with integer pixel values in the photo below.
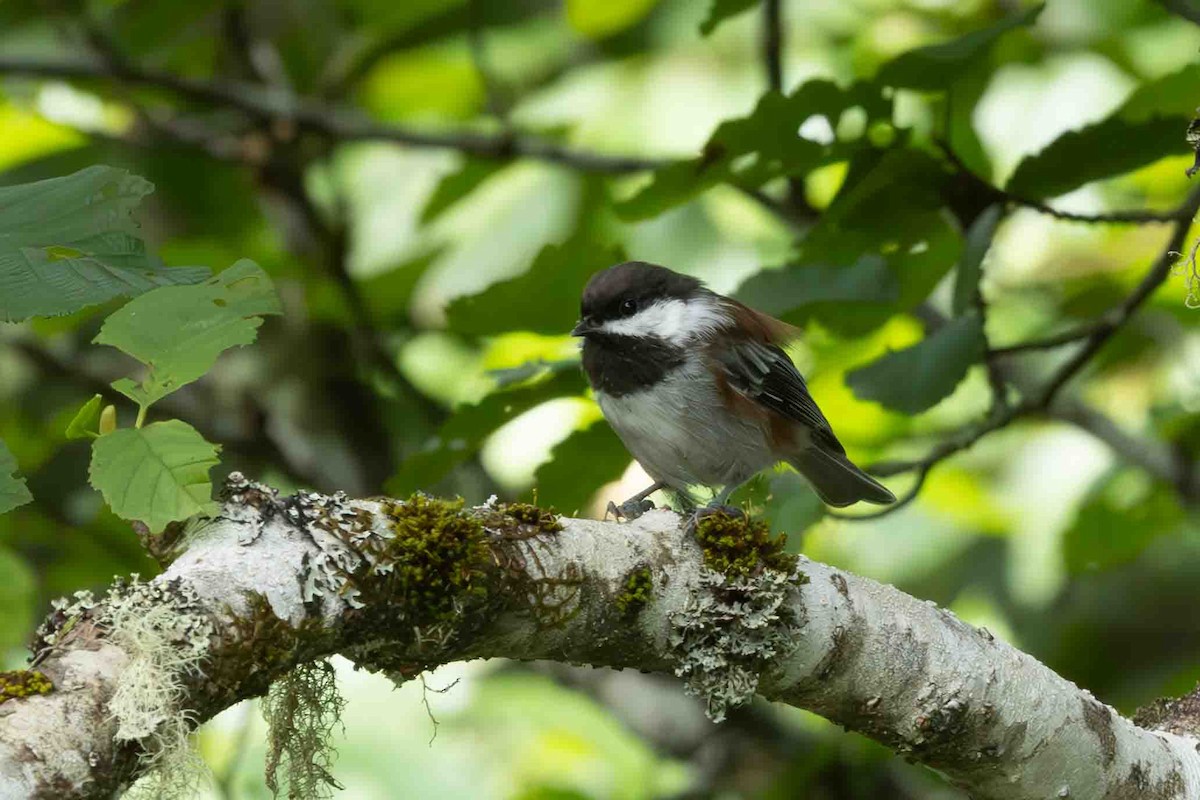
[{"x": 763, "y": 372}]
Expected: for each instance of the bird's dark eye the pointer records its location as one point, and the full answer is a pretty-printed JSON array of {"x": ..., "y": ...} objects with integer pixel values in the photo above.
[{"x": 629, "y": 306}]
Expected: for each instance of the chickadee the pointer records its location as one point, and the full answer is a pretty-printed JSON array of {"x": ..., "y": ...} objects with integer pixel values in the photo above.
[{"x": 700, "y": 391}]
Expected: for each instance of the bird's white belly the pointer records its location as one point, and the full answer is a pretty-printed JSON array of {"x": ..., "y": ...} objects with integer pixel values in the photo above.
[{"x": 681, "y": 433}]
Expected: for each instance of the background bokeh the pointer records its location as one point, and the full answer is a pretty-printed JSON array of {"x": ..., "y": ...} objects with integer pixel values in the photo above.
[{"x": 1041, "y": 532}]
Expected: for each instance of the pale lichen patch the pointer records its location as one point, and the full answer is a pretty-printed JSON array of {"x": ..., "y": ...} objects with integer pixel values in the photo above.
[{"x": 729, "y": 632}]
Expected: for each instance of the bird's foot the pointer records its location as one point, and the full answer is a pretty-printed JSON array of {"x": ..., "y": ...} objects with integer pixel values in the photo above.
[
  {"x": 713, "y": 510},
  {"x": 629, "y": 510}
]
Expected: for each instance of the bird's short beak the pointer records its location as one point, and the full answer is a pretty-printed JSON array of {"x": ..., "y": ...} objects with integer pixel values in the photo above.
[{"x": 583, "y": 327}]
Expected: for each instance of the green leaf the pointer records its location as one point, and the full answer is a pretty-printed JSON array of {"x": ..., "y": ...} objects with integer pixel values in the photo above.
[
  {"x": 917, "y": 378},
  {"x": 937, "y": 66},
  {"x": 543, "y": 299},
  {"x": 456, "y": 185},
  {"x": 970, "y": 266},
  {"x": 1120, "y": 518},
  {"x": 597, "y": 19},
  {"x": 835, "y": 122},
  {"x": 579, "y": 465},
  {"x": 793, "y": 507},
  {"x": 880, "y": 247},
  {"x": 13, "y": 491},
  {"x": 1150, "y": 125},
  {"x": 722, "y": 10},
  {"x": 85, "y": 421},
  {"x": 156, "y": 474},
  {"x": 461, "y": 436},
  {"x": 18, "y": 588},
  {"x": 780, "y": 291},
  {"x": 68, "y": 243},
  {"x": 179, "y": 331}
]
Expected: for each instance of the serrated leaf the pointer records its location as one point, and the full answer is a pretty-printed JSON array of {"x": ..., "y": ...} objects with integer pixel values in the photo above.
[
  {"x": 156, "y": 474},
  {"x": 179, "y": 331},
  {"x": 13, "y": 491},
  {"x": 970, "y": 266},
  {"x": 543, "y": 299},
  {"x": 880, "y": 247},
  {"x": 464, "y": 433},
  {"x": 1150, "y": 125},
  {"x": 456, "y": 185},
  {"x": 916, "y": 378},
  {"x": 68, "y": 243},
  {"x": 579, "y": 465},
  {"x": 1117, "y": 522},
  {"x": 83, "y": 425},
  {"x": 597, "y": 19},
  {"x": 937, "y": 66},
  {"x": 784, "y": 136},
  {"x": 781, "y": 291},
  {"x": 721, "y": 10}
]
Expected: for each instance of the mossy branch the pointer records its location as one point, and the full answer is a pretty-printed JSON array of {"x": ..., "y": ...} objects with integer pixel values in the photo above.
[{"x": 400, "y": 586}]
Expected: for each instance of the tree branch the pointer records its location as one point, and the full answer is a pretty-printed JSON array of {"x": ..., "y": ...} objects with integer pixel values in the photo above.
[
  {"x": 1039, "y": 399},
  {"x": 273, "y": 583},
  {"x": 269, "y": 105}
]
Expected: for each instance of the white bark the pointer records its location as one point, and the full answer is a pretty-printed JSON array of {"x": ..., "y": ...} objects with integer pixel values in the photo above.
[{"x": 899, "y": 669}]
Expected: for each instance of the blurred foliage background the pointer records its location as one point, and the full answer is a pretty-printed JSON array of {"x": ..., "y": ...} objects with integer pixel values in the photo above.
[{"x": 430, "y": 182}]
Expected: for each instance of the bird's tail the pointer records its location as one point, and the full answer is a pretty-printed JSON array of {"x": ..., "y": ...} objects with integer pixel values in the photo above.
[{"x": 837, "y": 481}]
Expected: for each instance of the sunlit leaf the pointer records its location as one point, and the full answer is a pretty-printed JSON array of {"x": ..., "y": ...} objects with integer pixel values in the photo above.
[
  {"x": 17, "y": 584},
  {"x": 1150, "y": 125},
  {"x": 13, "y": 491},
  {"x": 85, "y": 422},
  {"x": 543, "y": 299},
  {"x": 1117, "y": 522},
  {"x": 880, "y": 247},
  {"x": 68, "y": 243},
  {"x": 917, "y": 378},
  {"x": 778, "y": 291},
  {"x": 939, "y": 65},
  {"x": 721, "y": 10},
  {"x": 597, "y": 19},
  {"x": 579, "y": 465},
  {"x": 970, "y": 266},
  {"x": 818, "y": 123},
  {"x": 156, "y": 474},
  {"x": 456, "y": 185},
  {"x": 179, "y": 331}
]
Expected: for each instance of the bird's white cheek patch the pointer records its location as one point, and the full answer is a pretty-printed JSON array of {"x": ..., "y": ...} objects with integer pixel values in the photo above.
[{"x": 676, "y": 321}]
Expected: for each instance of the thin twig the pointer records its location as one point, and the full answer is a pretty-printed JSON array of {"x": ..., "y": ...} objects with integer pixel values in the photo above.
[
  {"x": 267, "y": 105},
  {"x": 1040, "y": 399},
  {"x": 1137, "y": 217}
]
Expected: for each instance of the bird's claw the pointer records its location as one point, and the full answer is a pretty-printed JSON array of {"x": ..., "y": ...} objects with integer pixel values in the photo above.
[
  {"x": 711, "y": 510},
  {"x": 629, "y": 510}
]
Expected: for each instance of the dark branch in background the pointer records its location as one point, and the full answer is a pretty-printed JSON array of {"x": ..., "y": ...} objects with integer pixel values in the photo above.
[
  {"x": 334, "y": 123},
  {"x": 772, "y": 53},
  {"x": 1040, "y": 399},
  {"x": 998, "y": 195},
  {"x": 499, "y": 103}
]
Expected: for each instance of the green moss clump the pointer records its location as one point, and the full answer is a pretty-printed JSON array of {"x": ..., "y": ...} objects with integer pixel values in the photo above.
[
  {"x": 639, "y": 587},
  {"x": 433, "y": 563},
  {"x": 740, "y": 547},
  {"x": 23, "y": 683},
  {"x": 545, "y": 520}
]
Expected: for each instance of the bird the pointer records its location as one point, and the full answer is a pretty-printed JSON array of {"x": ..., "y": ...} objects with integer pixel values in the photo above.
[{"x": 701, "y": 392}]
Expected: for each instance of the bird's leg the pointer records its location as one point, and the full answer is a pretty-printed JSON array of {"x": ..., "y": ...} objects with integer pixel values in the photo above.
[
  {"x": 635, "y": 506},
  {"x": 718, "y": 505}
]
